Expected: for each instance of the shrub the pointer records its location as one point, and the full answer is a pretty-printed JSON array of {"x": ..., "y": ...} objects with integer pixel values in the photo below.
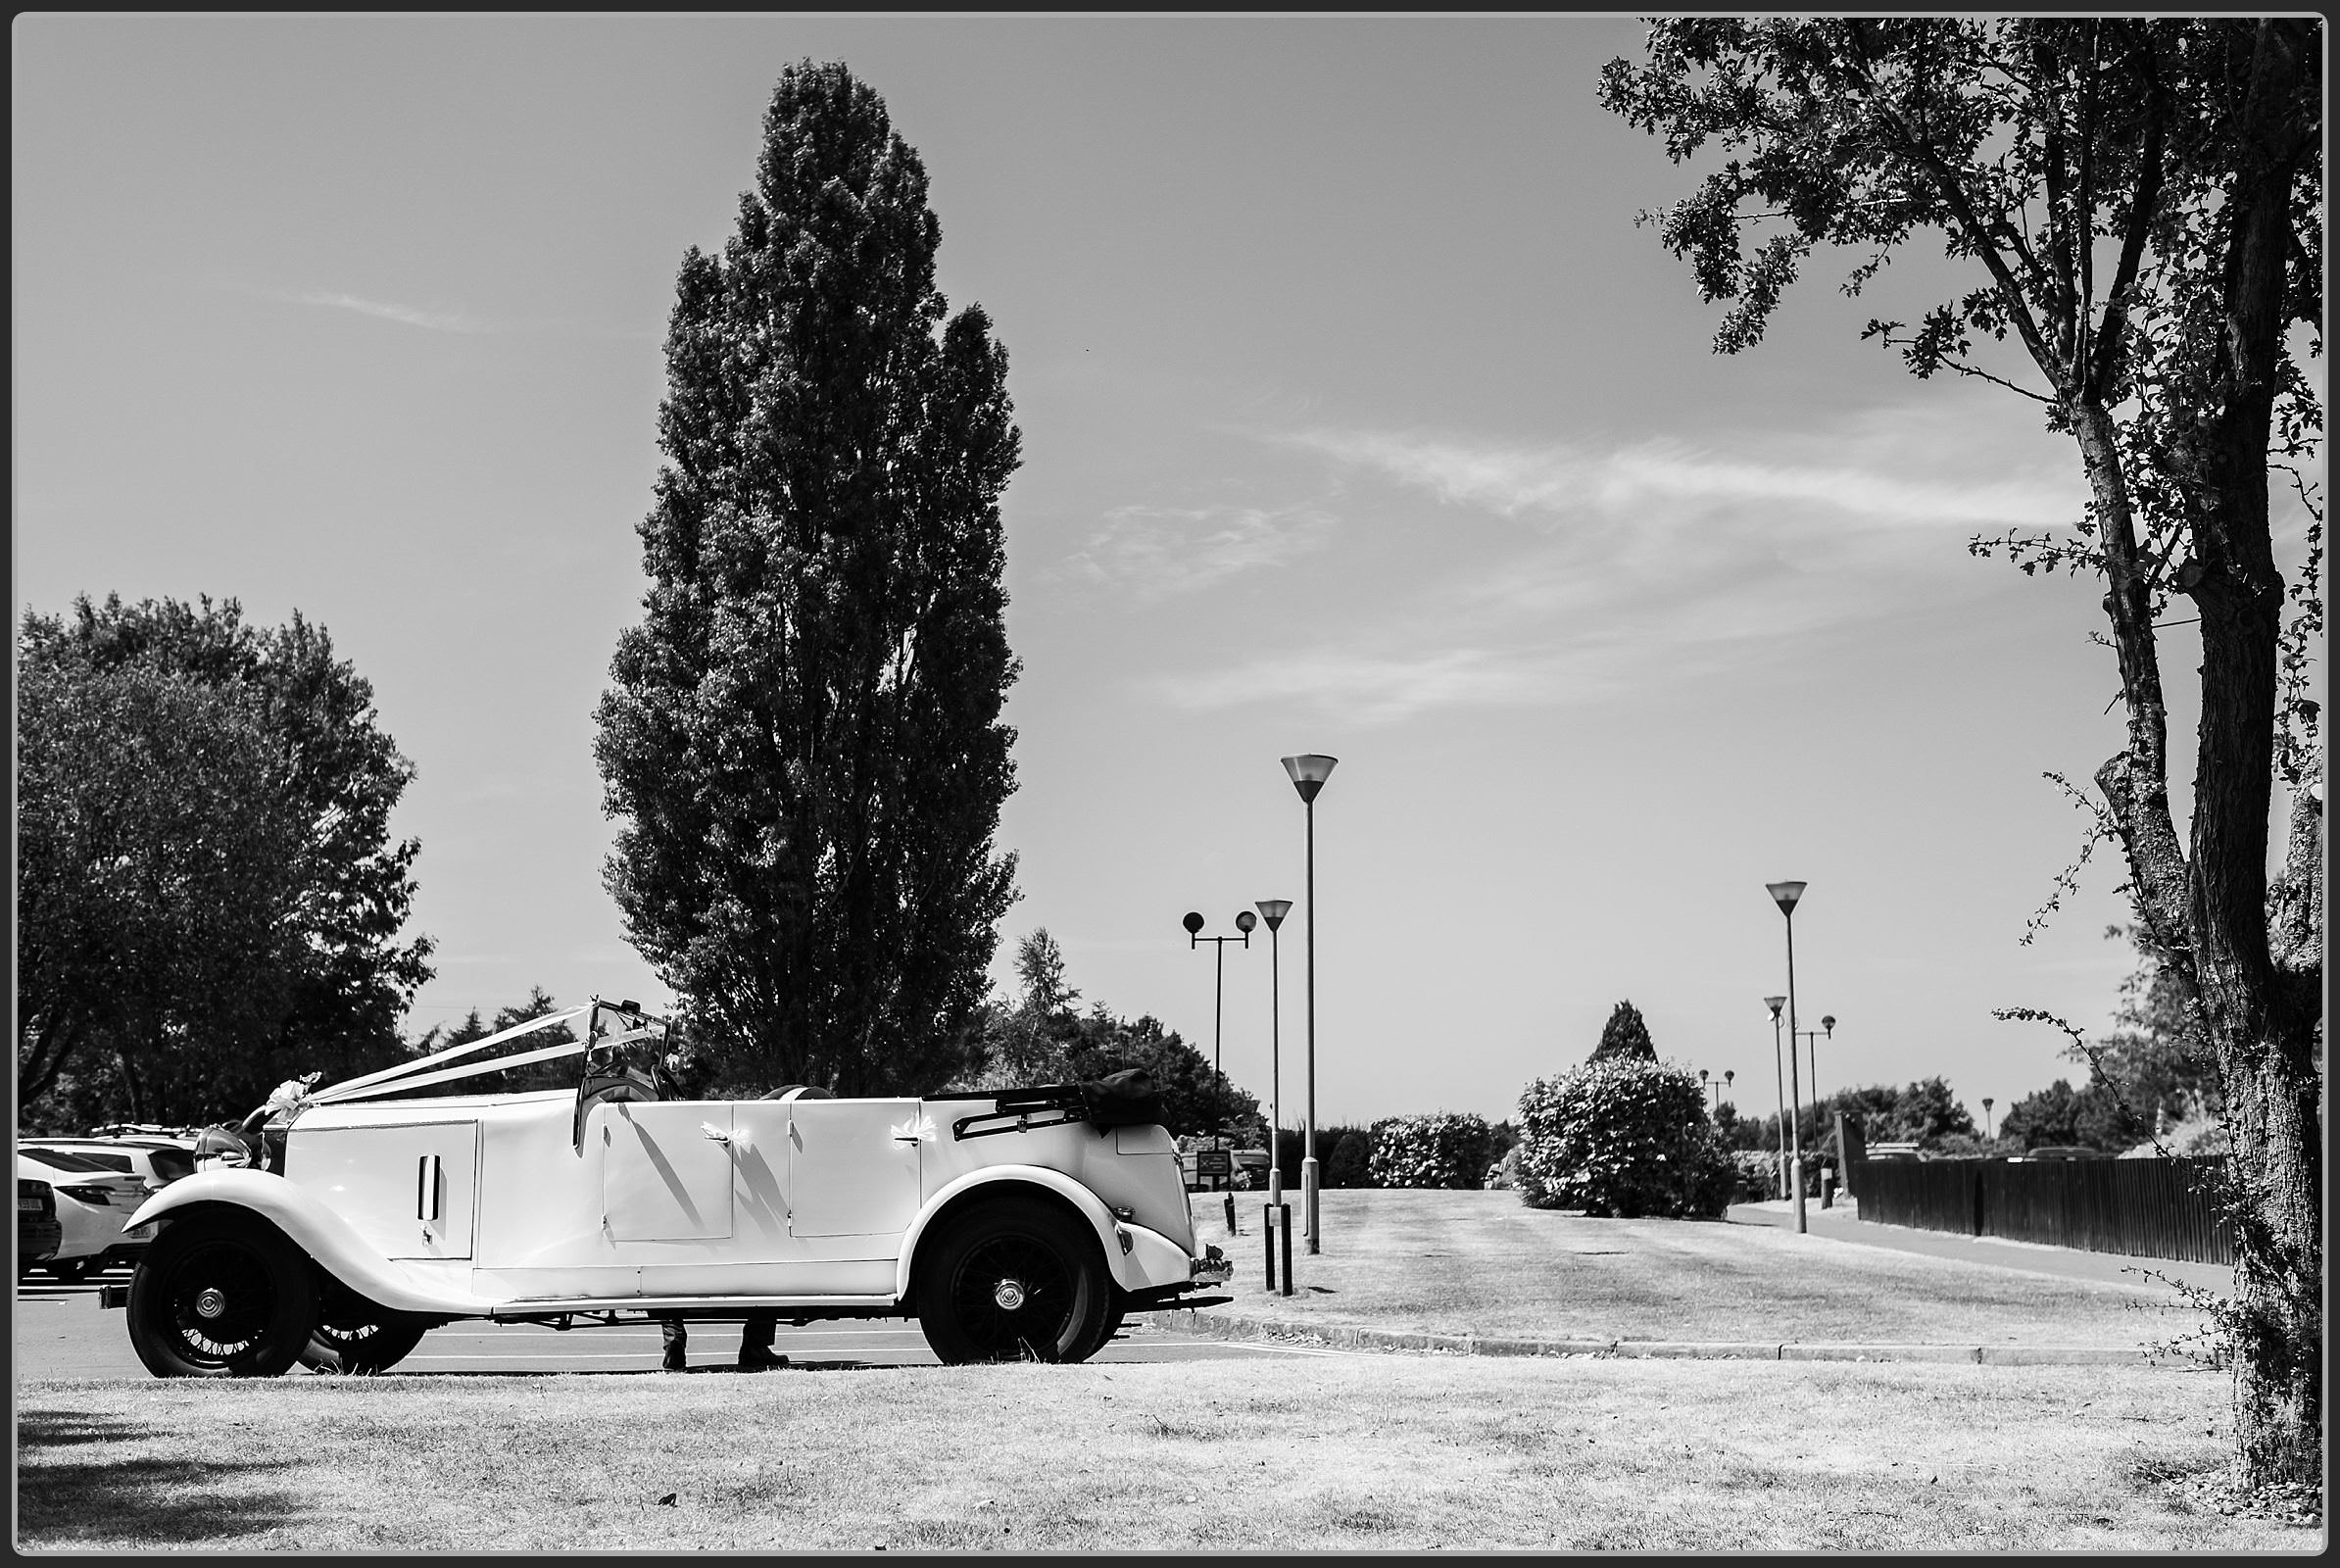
[
  {"x": 1445, "y": 1149},
  {"x": 1758, "y": 1173},
  {"x": 1503, "y": 1175},
  {"x": 1347, "y": 1162},
  {"x": 1623, "y": 1137}
]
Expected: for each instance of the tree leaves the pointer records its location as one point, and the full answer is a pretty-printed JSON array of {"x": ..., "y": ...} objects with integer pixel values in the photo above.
[
  {"x": 802, "y": 735},
  {"x": 210, "y": 901}
]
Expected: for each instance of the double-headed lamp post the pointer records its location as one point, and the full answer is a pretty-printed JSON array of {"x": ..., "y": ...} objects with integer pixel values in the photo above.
[
  {"x": 1780, "y": 1073},
  {"x": 1244, "y": 920},
  {"x": 1811, "y": 1037},
  {"x": 1308, "y": 775},
  {"x": 1785, "y": 895},
  {"x": 1273, "y": 911}
]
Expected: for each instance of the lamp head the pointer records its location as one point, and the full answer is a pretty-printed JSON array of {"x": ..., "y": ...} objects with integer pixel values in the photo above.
[
  {"x": 1827, "y": 1021},
  {"x": 1193, "y": 922},
  {"x": 1728, "y": 1075},
  {"x": 1244, "y": 920},
  {"x": 1309, "y": 772},
  {"x": 1775, "y": 1003},
  {"x": 1702, "y": 1075},
  {"x": 1273, "y": 911},
  {"x": 1785, "y": 894}
]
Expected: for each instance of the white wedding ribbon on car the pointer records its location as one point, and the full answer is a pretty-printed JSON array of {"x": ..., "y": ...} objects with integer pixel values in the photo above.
[{"x": 416, "y": 1074}]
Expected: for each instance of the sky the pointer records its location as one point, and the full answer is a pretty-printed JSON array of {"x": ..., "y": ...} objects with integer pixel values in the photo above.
[{"x": 1359, "y": 415}]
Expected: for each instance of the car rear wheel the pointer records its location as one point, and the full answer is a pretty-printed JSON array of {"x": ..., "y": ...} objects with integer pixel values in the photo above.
[
  {"x": 218, "y": 1300},
  {"x": 1014, "y": 1280}
]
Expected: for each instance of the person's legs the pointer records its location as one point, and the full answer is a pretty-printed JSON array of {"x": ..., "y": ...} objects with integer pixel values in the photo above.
[
  {"x": 677, "y": 1340},
  {"x": 755, "y": 1342}
]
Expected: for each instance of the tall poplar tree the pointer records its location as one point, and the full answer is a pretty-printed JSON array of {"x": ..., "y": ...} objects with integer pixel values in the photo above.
[{"x": 802, "y": 739}]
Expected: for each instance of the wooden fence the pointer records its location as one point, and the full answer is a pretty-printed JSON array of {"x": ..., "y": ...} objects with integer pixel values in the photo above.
[{"x": 2141, "y": 1207}]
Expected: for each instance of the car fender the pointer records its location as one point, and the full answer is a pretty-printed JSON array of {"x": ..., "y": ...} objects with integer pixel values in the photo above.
[
  {"x": 1119, "y": 1263},
  {"x": 317, "y": 1230}
]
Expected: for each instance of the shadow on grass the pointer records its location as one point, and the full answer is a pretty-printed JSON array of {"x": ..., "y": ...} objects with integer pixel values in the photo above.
[{"x": 68, "y": 1487}]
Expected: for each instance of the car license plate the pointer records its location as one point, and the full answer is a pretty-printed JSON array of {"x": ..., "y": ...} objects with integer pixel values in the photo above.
[{"x": 28, "y": 1205}]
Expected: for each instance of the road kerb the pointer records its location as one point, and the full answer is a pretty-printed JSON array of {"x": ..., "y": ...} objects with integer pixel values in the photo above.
[
  {"x": 1213, "y": 1325},
  {"x": 1823, "y": 1351}
]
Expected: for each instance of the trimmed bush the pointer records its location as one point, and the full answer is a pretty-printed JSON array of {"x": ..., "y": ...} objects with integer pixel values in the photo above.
[
  {"x": 1625, "y": 1138},
  {"x": 1444, "y": 1149}
]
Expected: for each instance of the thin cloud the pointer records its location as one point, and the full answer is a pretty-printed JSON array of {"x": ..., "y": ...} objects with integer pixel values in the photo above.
[
  {"x": 1647, "y": 564},
  {"x": 405, "y": 314},
  {"x": 1508, "y": 480},
  {"x": 1153, "y": 552}
]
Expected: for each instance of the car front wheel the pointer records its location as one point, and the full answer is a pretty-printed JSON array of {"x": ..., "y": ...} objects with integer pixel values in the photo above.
[
  {"x": 1015, "y": 1279},
  {"x": 221, "y": 1299},
  {"x": 360, "y": 1346}
]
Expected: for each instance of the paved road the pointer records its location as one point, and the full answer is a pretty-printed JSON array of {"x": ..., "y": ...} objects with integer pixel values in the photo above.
[
  {"x": 61, "y": 1334},
  {"x": 2069, "y": 1262}
]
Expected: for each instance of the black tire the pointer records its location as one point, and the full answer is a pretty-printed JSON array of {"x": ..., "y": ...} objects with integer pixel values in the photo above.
[
  {"x": 360, "y": 1344},
  {"x": 1013, "y": 1280},
  {"x": 215, "y": 1299},
  {"x": 1105, "y": 1330}
]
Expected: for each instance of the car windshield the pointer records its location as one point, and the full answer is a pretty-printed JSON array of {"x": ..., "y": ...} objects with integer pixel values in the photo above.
[
  {"x": 105, "y": 1159},
  {"x": 170, "y": 1163},
  {"x": 59, "y": 1160}
]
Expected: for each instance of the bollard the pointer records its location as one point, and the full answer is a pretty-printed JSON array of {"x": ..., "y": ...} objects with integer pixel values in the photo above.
[
  {"x": 1267, "y": 1236},
  {"x": 1231, "y": 1226},
  {"x": 1284, "y": 1228}
]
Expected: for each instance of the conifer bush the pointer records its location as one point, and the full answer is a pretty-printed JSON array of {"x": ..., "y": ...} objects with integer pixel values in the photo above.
[{"x": 1626, "y": 1138}]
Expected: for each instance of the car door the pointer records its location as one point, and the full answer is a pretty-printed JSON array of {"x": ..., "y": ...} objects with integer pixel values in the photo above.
[
  {"x": 853, "y": 1167},
  {"x": 665, "y": 1169}
]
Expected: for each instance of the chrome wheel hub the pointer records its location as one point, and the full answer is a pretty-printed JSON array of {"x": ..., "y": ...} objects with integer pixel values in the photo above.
[
  {"x": 1009, "y": 1294},
  {"x": 210, "y": 1302}
]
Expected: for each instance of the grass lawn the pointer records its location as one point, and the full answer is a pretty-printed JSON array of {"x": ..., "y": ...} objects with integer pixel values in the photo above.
[
  {"x": 1394, "y": 1451},
  {"x": 1438, "y": 1262},
  {"x": 1391, "y": 1452}
]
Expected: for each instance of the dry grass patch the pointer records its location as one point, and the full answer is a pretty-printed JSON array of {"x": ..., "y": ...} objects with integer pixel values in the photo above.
[
  {"x": 1389, "y": 1452},
  {"x": 1439, "y": 1262}
]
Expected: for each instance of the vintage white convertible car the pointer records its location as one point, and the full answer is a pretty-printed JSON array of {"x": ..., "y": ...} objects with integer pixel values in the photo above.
[{"x": 1014, "y": 1225}]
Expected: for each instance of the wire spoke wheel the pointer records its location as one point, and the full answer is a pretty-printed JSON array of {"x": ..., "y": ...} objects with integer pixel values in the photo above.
[
  {"x": 359, "y": 1344},
  {"x": 1013, "y": 1295},
  {"x": 221, "y": 1302},
  {"x": 1014, "y": 1280}
]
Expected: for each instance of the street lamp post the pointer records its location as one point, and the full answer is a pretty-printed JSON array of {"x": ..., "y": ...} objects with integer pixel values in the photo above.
[
  {"x": 1780, "y": 1073},
  {"x": 1986, "y": 1105},
  {"x": 1308, "y": 774},
  {"x": 1273, "y": 911},
  {"x": 1728, "y": 1074},
  {"x": 1704, "y": 1090},
  {"x": 1785, "y": 895},
  {"x": 1244, "y": 920},
  {"x": 1820, "y": 1126}
]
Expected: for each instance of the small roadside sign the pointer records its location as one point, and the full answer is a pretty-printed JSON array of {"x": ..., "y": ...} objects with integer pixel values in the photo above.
[{"x": 1213, "y": 1163}]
